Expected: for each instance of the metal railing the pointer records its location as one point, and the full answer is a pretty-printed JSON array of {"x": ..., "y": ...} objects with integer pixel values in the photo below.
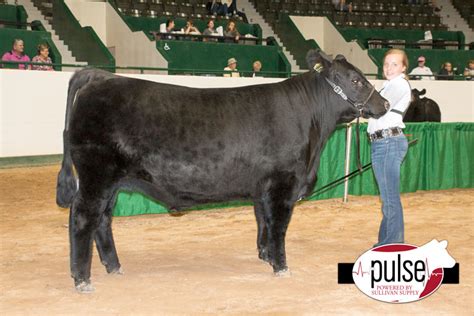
[{"x": 202, "y": 72}]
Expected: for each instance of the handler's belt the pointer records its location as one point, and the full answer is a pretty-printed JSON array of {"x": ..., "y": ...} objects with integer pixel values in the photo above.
[{"x": 385, "y": 133}]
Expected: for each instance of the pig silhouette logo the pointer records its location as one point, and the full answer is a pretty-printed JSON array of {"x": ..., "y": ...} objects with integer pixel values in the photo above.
[{"x": 402, "y": 273}]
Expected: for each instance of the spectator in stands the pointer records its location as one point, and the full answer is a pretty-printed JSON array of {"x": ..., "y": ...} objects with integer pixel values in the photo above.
[
  {"x": 257, "y": 66},
  {"x": 190, "y": 28},
  {"x": 231, "y": 66},
  {"x": 469, "y": 70},
  {"x": 233, "y": 11},
  {"x": 217, "y": 7},
  {"x": 210, "y": 31},
  {"x": 17, "y": 54},
  {"x": 169, "y": 29},
  {"x": 231, "y": 31},
  {"x": 421, "y": 72},
  {"x": 446, "y": 72},
  {"x": 42, "y": 57},
  {"x": 341, "y": 5}
]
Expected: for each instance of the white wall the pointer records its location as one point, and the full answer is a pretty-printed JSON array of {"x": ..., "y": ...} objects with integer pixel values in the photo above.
[
  {"x": 332, "y": 42},
  {"x": 32, "y": 105},
  {"x": 129, "y": 48}
]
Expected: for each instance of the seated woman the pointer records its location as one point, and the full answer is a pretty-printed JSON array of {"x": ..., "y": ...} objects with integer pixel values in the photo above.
[
  {"x": 231, "y": 31},
  {"x": 210, "y": 31},
  {"x": 446, "y": 72},
  {"x": 190, "y": 28},
  {"x": 42, "y": 57}
]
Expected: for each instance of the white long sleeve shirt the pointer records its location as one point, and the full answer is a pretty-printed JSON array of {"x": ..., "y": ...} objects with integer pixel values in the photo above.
[{"x": 398, "y": 93}]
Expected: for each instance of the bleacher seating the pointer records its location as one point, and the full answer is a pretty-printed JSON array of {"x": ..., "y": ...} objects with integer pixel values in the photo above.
[
  {"x": 195, "y": 9},
  {"x": 14, "y": 21},
  {"x": 190, "y": 53},
  {"x": 31, "y": 40},
  {"x": 365, "y": 13},
  {"x": 466, "y": 9},
  {"x": 13, "y": 16},
  {"x": 84, "y": 43}
]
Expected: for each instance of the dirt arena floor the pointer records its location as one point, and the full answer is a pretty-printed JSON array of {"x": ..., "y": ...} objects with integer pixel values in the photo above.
[{"x": 206, "y": 262}]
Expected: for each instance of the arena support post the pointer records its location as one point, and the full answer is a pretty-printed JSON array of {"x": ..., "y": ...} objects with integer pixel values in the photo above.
[{"x": 347, "y": 161}]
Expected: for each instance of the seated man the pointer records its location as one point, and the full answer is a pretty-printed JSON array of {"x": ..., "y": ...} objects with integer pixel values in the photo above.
[
  {"x": 17, "y": 54},
  {"x": 231, "y": 66},
  {"x": 256, "y": 67},
  {"x": 421, "y": 72}
]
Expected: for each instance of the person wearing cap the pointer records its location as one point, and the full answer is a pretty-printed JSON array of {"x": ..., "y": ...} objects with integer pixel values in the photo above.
[
  {"x": 231, "y": 66},
  {"x": 421, "y": 72}
]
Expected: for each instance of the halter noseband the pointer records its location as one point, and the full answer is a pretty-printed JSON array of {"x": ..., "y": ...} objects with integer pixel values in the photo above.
[
  {"x": 338, "y": 90},
  {"x": 358, "y": 105}
]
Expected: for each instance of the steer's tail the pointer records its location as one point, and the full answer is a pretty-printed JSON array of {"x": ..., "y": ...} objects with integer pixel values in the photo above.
[{"x": 67, "y": 184}]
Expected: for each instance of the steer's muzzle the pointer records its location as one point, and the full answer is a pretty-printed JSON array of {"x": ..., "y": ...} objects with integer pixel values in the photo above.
[{"x": 375, "y": 107}]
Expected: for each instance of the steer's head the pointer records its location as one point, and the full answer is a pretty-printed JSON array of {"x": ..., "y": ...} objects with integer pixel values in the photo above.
[{"x": 348, "y": 85}]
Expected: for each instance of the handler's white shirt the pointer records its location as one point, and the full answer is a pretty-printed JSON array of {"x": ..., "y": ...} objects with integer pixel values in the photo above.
[{"x": 398, "y": 93}]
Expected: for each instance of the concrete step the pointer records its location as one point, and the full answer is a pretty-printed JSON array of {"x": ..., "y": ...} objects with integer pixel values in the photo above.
[
  {"x": 254, "y": 17},
  {"x": 35, "y": 14}
]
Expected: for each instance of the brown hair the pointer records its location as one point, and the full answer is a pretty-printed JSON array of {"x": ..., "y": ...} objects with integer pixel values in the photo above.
[
  {"x": 404, "y": 58},
  {"x": 41, "y": 47}
]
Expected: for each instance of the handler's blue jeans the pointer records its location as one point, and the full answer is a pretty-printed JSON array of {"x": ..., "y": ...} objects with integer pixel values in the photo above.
[{"x": 387, "y": 157}]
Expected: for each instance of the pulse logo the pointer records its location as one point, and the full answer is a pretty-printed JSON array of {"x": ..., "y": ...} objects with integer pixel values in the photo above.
[{"x": 401, "y": 273}]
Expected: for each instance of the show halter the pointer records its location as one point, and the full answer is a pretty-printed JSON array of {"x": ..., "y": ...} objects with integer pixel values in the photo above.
[{"x": 358, "y": 105}]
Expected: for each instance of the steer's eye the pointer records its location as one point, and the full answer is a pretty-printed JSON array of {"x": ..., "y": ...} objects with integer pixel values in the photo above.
[{"x": 356, "y": 81}]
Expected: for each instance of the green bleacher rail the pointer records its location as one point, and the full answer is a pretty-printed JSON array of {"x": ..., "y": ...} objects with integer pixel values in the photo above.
[
  {"x": 147, "y": 24},
  {"x": 31, "y": 40},
  {"x": 434, "y": 58},
  {"x": 180, "y": 63},
  {"x": 213, "y": 56},
  {"x": 83, "y": 41},
  {"x": 410, "y": 36},
  {"x": 14, "y": 14},
  {"x": 294, "y": 40}
]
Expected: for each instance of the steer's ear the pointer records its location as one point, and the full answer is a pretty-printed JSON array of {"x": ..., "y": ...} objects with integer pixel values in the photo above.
[
  {"x": 340, "y": 57},
  {"x": 317, "y": 60}
]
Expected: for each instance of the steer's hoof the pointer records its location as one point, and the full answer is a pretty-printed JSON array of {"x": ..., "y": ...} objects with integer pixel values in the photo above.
[
  {"x": 263, "y": 255},
  {"x": 283, "y": 273},
  {"x": 85, "y": 287},
  {"x": 117, "y": 271}
]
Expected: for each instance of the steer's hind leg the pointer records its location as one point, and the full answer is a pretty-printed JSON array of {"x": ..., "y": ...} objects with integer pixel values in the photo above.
[
  {"x": 83, "y": 222},
  {"x": 104, "y": 241},
  {"x": 262, "y": 240},
  {"x": 278, "y": 200}
]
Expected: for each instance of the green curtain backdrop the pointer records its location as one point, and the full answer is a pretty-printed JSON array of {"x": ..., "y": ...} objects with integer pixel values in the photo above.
[{"x": 441, "y": 159}]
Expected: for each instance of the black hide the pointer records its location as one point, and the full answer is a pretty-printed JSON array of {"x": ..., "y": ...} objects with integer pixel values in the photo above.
[
  {"x": 422, "y": 109},
  {"x": 185, "y": 146}
]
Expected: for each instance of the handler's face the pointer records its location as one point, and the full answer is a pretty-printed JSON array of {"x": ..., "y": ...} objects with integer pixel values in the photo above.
[{"x": 393, "y": 66}]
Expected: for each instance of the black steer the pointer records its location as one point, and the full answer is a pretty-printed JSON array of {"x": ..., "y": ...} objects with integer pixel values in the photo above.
[
  {"x": 422, "y": 109},
  {"x": 185, "y": 146}
]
